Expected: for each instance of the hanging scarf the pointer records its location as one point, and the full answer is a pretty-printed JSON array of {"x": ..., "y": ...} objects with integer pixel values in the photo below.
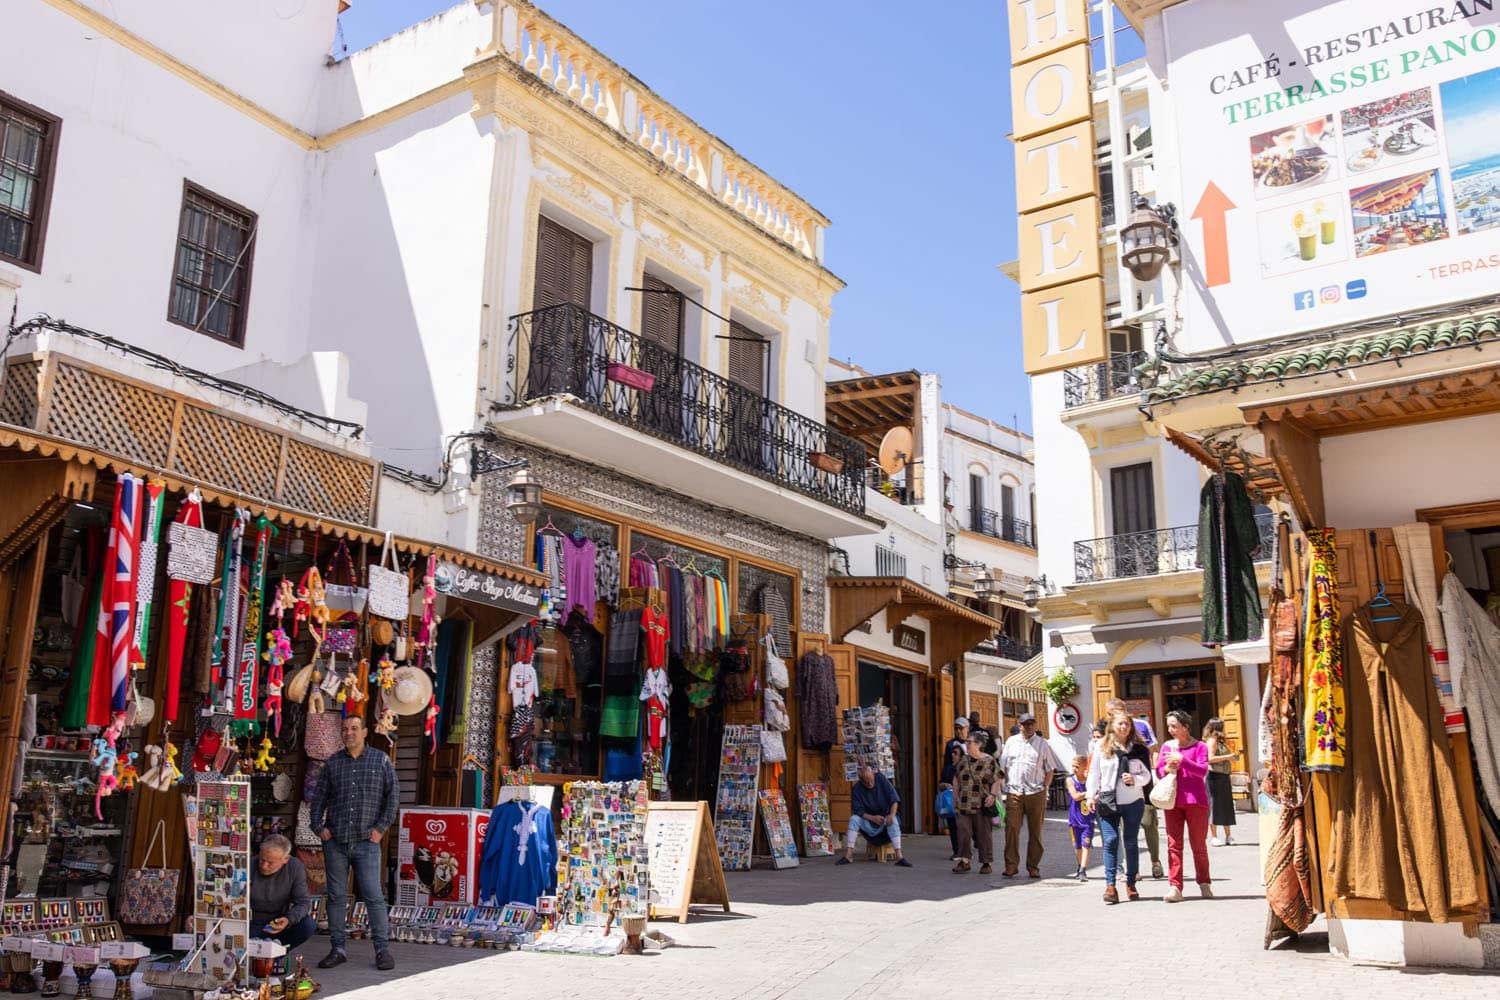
[
  {"x": 76, "y": 710},
  {"x": 1322, "y": 657},
  {"x": 226, "y": 631},
  {"x": 244, "y": 700},
  {"x": 179, "y": 602},
  {"x": 145, "y": 590}
]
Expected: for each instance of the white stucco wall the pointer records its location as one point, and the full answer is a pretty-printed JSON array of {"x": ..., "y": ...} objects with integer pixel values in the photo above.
[
  {"x": 907, "y": 533},
  {"x": 1382, "y": 478}
]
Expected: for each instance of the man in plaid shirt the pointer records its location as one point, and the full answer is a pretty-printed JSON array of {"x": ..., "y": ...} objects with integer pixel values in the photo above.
[{"x": 352, "y": 807}]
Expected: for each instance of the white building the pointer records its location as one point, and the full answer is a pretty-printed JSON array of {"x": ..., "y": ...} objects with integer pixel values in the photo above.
[
  {"x": 956, "y": 509},
  {"x": 1121, "y": 595}
]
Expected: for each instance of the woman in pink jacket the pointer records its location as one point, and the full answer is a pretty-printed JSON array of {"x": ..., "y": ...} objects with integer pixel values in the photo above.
[{"x": 1187, "y": 757}]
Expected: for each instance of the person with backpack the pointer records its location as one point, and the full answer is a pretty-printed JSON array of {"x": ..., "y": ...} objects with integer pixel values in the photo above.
[
  {"x": 1116, "y": 790},
  {"x": 944, "y": 805}
]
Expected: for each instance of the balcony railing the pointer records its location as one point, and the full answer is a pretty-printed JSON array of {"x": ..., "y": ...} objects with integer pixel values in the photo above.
[
  {"x": 1014, "y": 649},
  {"x": 901, "y": 492},
  {"x": 565, "y": 350},
  {"x": 1105, "y": 380},
  {"x": 1151, "y": 553},
  {"x": 1007, "y": 529},
  {"x": 889, "y": 562}
]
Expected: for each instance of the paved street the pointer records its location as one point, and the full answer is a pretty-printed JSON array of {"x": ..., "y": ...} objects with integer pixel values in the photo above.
[{"x": 820, "y": 933}]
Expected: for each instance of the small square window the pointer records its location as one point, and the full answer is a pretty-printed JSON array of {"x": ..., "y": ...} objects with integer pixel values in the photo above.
[
  {"x": 28, "y": 154},
  {"x": 211, "y": 273}
]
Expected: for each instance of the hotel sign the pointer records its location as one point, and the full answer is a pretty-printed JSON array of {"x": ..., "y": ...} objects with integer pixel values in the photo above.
[{"x": 1057, "y": 187}]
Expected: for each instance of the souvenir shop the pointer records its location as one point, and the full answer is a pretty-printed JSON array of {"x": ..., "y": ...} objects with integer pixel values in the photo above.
[
  {"x": 144, "y": 713},
  {"x": 1382, "y": 693},
  {"x": 907, "y": 645},
  {"x": 647, "y": 645}
]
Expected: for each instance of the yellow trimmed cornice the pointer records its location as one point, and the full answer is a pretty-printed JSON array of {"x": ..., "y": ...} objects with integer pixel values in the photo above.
[
  {"x": 99, "y": 23},
  {"x": 95, "y": 21}
]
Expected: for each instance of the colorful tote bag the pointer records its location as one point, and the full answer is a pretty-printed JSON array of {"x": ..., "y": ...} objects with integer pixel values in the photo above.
[{"x": 148, "y": 896}]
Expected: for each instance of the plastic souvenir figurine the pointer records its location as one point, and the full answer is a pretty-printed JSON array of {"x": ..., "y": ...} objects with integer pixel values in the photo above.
[
  {"x": 315, "y": 692},
  {"x": 264, "y": 759},
  {"x": 429, "y": 727},
  {"x": 278, "y": 653},
  {"x": 386, "y": 724},
  {"x": 128, "y": 772},
  {"x": 285, "y": 602},
  {"x": 386, "y": 673},
  {"x": 169, "y": 761}
]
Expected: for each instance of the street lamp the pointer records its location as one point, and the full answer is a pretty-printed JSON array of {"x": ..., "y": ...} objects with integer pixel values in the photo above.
[
  {"x": 1036, "y": 589},
  {"x": 1147, "y": 239},
  {"x": 523, "y": 494},
  {"x": 987, "y": 588}
]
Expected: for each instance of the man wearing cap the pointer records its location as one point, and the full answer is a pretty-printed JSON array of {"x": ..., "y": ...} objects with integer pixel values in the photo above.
[
  {"x": 352, "y": 807},
  {"x": 960, "y": 737},
  {"x": 1029, "y": 763}
]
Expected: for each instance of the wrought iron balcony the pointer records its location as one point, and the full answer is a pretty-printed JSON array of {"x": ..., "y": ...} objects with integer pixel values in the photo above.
[
  {"x": 641, "y": 384},
  {"x": 1151, "y": 553},
  {"x": 1105, "y": 380},
  {"x": 1014, "y": 649},
  {"x": 997, "y": 525}
]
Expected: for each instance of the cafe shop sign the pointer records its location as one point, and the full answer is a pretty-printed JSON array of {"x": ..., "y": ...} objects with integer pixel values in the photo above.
[
  {"x": 486, "y": 588},
  {"x": 1339, "y": 161}
]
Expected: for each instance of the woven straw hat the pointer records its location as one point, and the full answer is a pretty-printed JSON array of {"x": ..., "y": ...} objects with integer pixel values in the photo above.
[{"x": 411, "y": 693}]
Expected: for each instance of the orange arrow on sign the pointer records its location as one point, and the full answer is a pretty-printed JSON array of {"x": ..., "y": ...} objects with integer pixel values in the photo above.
[{"x": 1212, "y": 209}]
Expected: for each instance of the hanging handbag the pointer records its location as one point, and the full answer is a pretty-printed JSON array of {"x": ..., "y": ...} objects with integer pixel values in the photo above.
[
  {"x": 345, "y": 596},
  {"x": 390, "y": 590},
  {"x": 310, "y": 779},
  {"x": 341, "y": 640},
  {"x": 772, "y": 747},
  {"x": 73, "y": 589},
  {"x": 312, "y": 860},
  {"x": 323, "y": 738},
  {"x": 1164, "y": 795},
  {"x": 148, "y": 896},
  {"x": 304, "y": 835}
]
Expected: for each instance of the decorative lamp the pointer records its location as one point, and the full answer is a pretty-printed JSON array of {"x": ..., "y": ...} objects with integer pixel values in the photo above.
[
  {"x": 1146, "y": 241},
  {"x": 523, "y": 496}
]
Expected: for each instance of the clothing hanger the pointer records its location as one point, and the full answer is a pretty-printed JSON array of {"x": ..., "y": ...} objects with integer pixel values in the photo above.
[
  {"x": 692, "y": 564},
  {"x": 1380, "y": 600},
  {"x": 549, "y": 527},
  {"x": 641, "y": 553}
]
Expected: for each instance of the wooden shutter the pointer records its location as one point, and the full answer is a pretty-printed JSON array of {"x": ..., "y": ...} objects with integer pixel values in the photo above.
[
  {"x": 1231, "y": 710},
  {"x": 747, "y": 358},
  {"x": 1104, "y": 690},
  {"x": 1008, "y": 504},
  {"x": 1132, "y": 499},
  {"x": 661, "y": 313},
  {"x": 846, "y": 672},
  {"x": 564, "y": 266}
]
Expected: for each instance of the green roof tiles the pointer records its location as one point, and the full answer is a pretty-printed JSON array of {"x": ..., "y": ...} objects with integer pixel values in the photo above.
[{"x": 1328, "y": 356}]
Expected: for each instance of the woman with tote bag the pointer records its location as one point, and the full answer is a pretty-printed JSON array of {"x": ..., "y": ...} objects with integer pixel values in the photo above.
[
  {"x": 1116, "y": 792},
  {"x": 1182, "y": 796}
]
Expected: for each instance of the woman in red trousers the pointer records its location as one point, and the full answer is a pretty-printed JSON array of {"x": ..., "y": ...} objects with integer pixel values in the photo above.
[{"x": 1187, "y": 757}]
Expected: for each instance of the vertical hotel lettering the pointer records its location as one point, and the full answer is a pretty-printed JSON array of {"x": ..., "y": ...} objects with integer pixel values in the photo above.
[{"x": 1057, "y": 188}]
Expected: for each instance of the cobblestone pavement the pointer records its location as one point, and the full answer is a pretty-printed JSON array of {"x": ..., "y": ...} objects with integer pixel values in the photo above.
[{"x": 818, "y": 933}]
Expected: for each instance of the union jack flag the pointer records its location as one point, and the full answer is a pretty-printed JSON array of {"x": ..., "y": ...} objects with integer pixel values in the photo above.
[{"x": 122, "y": 585}]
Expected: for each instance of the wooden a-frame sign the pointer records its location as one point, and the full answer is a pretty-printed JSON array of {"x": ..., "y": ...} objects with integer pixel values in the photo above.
[{"x": 683, "y": 858}]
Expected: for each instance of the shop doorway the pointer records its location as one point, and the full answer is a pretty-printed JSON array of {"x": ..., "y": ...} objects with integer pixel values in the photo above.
[
  {"x": 1152, "y": 692},
  {"x": 896, "y": 690}
]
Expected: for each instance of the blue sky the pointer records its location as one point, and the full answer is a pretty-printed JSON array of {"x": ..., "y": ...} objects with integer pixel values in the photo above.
[{"x": 890, "y": 123}]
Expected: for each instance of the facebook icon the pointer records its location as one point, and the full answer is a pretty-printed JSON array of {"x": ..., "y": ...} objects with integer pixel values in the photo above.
[{"x": 1304, "y": 300}]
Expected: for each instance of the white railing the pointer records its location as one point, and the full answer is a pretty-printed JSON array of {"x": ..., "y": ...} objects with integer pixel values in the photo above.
[{"x": 602, "y": 88}]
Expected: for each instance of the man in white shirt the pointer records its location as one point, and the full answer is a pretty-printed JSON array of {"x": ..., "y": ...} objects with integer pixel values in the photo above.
[{"x": 1029, "y": 764}]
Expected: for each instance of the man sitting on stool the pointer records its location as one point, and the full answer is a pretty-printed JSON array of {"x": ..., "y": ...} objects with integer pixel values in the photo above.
[
  {"x": 281, "y": 908},
  {"x": 873, "y": 812}
]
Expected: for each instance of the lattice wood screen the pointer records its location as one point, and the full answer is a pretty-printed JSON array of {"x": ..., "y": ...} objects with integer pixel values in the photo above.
[{"x": 164, "y": 430}]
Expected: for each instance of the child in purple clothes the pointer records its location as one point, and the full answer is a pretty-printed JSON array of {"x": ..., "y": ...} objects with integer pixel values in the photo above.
[{"x": 1080, "y": 815}]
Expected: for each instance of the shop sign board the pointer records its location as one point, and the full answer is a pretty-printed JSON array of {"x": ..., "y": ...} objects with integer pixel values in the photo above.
[
  {"x": 912, "y": 640},
  {"x": 486, "y": 588},
  {"x": 1057, "y": 186},
  {"x": 1338, "y": 161}
]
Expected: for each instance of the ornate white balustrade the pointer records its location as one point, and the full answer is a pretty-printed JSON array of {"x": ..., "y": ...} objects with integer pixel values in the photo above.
[{"x": 564, "y": 62}]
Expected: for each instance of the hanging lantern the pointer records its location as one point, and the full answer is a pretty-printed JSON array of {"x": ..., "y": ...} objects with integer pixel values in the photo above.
[
  {"x": 523, "y": 497},
  {"x": 1146, "y": 241}
]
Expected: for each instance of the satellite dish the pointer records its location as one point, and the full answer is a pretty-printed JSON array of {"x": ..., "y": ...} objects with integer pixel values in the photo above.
[{"x": 895, "y": 450}]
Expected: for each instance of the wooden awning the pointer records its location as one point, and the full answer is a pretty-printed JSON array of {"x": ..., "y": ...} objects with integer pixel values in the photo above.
[
  {"x": 1354, "y": 410},
  {"x": 16, "y": 443},
  {"x": 955, "y": 628},
  {"x": 865, "y": 408},
  {"x": 1258, "y": 471}
]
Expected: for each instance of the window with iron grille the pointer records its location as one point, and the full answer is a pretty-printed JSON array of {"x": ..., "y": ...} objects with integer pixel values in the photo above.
[
  {"x": 28, "y": 153},
  {"x": 211, "y": 276}
]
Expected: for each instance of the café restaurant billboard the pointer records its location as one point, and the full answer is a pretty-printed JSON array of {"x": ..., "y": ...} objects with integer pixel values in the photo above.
[{"x": 1339, "y": 161}]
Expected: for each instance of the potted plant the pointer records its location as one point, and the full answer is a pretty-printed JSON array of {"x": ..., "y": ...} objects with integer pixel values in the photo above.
[
  {"x": 1060, "y": 686},
  {"x": 831, "y": 464}
]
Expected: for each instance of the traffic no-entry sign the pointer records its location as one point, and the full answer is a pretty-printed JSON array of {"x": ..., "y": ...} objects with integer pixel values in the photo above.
[{"x": 1066, "y": 718}]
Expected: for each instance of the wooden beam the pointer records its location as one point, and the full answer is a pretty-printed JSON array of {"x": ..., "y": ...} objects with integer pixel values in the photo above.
[
  {"x": 1299, "y": 463},
  {"x": 849, "y": 607},
  {"x": 41, "y": 490},
  {"x": 844, "y": 396}
]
